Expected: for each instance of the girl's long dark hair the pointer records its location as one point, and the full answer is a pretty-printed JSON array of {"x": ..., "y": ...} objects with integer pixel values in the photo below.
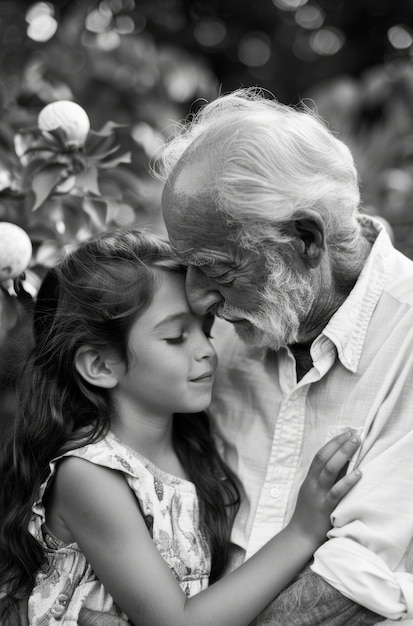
[
  {"x": 217, "y": 486},
  {"x": 93, "y": 296}
]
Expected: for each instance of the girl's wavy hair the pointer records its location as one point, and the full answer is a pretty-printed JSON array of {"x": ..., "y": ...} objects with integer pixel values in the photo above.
[
  {"x": 270, "y": 163},
  {"x": 93, "y": 296}
]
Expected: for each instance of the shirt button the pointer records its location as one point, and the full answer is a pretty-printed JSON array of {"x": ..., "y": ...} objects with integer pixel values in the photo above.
[
  {"x": 294, "y": 395},
  {"x": 275, "y": 492}
]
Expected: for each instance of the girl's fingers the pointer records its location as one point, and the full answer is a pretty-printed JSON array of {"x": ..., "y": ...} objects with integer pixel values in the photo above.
[
  {"x": 333, "y": 456},
  {"x": 343, "y": 486}
]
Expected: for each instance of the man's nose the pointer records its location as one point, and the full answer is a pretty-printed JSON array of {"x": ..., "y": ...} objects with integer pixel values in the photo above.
[{"x": 202, "y": 294}]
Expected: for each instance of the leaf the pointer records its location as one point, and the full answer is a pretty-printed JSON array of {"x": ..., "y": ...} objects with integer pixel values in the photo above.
[
  {"x": 88, "y": 180},
  {"x": 106, "y": 138},
  {"x": 6, "y": 137},
  {"x": 31, "y": 168},
  {"x": 96, "y": 142},
  {"x": 8, "y": 313},
  {"x": 49, "y": 253},
  {"x": 32, "y": 281},
  {"x": 100, "y": 155},
  {"x": 57, "y": 135},
  {"x": 44, "y": 182},
  {"x": 96, "y": 209},
  {"x": 110, "y": 126},
  {"x": 40, "y": 230},
  {"x": 39, "y": 148},
  {"x": 24, "y": 296},
  {"x": 74, "y": 219},
  {"x": 122, "y": 158},
  {"x": 23, "y": 140}
]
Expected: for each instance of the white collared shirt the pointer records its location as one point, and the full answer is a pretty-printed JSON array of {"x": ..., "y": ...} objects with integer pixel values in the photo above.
[{"x": 272, "y": 426}]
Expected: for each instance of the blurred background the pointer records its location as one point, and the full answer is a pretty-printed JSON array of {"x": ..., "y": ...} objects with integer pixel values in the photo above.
[{"x": 137, "y": 67}]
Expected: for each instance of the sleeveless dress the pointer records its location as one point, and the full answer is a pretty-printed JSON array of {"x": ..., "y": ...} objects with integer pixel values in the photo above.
[{"x": 170, "y": 508}]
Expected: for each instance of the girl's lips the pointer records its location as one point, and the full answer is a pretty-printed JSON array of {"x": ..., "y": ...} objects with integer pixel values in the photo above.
[{"x": 206, "y": 376}]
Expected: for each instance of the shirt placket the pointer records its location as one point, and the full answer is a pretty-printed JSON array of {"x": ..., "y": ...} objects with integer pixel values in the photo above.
[{"x": 283, "y": 460}]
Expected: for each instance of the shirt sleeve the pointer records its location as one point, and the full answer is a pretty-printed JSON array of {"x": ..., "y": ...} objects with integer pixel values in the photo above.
[
  {"x": 369, "y": 555},
  {"x": 311, "y": 600}
]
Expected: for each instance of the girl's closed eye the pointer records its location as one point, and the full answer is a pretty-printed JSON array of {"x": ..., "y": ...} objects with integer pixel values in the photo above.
[{"x": 176, "y": 340}]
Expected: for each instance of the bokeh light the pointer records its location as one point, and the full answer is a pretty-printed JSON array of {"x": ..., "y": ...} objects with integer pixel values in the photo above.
[
  {"x": 38, "y": 9},
  {"x": 309, "y": 16},
  {"x": 108, "y": 41},
  {"x": 327, "y": 41},
  {"x": 400, "y": 37},
  {"x": 42, "y": 24},
  {"x": 289, "y": 5},
  {"x": 97, "y": 21},
  {"x": 146, "y": 137},
  {"x": 124, "y": 24},
  {"x": 254, "y": 49},
  {"x": 210, "y": 32}
]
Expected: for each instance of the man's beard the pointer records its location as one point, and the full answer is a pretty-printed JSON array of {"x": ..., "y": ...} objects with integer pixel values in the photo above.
[{"x": 285, "y": 302}]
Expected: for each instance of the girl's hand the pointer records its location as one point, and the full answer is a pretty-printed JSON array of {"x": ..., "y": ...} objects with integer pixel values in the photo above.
[{"x": 322, "y": 489}]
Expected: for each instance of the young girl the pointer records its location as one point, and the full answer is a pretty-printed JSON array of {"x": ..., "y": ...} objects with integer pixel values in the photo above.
[{"x": 113, "y": 495}]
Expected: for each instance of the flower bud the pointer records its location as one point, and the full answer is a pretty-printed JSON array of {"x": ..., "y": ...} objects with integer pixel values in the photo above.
[
  {"x": 68, "y": 116},
  {"x": 15, "y": 250}
]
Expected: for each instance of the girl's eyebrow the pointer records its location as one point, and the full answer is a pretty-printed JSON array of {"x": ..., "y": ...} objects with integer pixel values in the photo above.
[{"x": 175, "y": 317}]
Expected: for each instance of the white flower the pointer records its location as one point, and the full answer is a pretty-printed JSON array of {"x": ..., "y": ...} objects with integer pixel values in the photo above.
[
  {"x": 15, "y": 250},
  {"x": 68, "y": 116}
]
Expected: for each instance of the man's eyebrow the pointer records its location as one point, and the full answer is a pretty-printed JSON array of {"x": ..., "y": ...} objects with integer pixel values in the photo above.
[
  {"x": 175, "y": 317},
  {"x": 200, "y": 259},
  {"x": 188, "y": 257}
]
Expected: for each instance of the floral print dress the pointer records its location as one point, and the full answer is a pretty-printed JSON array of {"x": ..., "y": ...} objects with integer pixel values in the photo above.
[{"x": 170, "y": 508}]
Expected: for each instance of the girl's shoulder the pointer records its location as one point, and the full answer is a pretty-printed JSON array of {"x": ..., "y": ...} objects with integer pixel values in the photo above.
[
  {"x": 110, "y": 452},
  {"x": 106, "y": 453},
  {"x": 146, "y": 480}
]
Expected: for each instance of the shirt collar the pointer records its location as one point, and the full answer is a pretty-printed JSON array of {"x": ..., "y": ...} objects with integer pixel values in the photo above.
[{"x": 348, "y": 326}]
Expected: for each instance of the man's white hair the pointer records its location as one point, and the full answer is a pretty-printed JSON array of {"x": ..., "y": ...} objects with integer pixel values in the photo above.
[{"x": 271, "y": 162}]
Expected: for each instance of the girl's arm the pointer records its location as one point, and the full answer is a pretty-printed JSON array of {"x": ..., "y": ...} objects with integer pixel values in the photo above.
[{"x": 114, "y": 538}]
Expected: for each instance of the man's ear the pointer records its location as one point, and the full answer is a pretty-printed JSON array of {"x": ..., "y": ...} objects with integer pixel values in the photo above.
[
  {"x": 97, "y": 368},
  {"x": 310, "y": 234}
]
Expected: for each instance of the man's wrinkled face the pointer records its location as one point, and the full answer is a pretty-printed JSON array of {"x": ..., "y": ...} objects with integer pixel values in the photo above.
[{"x": 223, "y": 278}]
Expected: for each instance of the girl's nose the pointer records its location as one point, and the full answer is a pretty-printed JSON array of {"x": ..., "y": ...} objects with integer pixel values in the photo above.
[{"x": 203, "y": 347}]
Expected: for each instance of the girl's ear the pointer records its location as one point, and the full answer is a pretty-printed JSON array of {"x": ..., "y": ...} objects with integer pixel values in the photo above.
[{"x": 97, "y": 368}]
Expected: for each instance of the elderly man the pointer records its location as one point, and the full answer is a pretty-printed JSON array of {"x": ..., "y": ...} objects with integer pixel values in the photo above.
[{"x": 261, "y": 202}]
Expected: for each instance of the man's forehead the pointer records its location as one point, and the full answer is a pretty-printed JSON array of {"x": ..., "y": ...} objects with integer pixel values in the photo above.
[
  {"x": 197, "y": 231},
  {"x": 195, "y": 228},
  {"x": 192, "y": 178}
]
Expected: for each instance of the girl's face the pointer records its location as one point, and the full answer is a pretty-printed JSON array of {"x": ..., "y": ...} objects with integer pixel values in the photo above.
[{"x": 172, "y": 361}]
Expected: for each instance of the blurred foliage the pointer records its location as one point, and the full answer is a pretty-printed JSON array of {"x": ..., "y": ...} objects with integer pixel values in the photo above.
[
  {"x": 138, "y": 66},
  {"x": 374, "y": 116}
]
